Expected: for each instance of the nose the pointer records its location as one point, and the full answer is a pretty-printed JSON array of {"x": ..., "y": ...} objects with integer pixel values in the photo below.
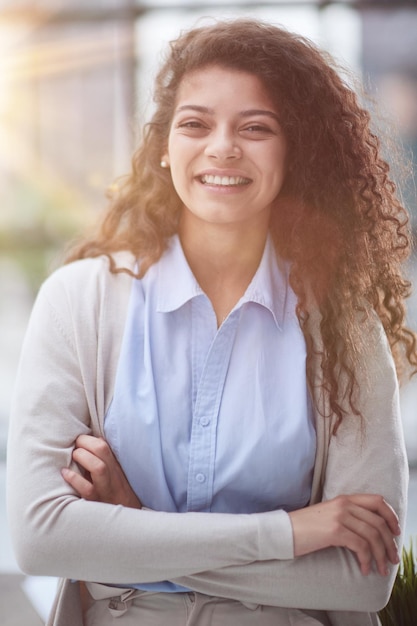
[{"x": 222, "y": 145}]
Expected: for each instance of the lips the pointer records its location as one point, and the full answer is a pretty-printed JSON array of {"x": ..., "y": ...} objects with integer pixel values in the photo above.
[{"x": 226, "y": 181}]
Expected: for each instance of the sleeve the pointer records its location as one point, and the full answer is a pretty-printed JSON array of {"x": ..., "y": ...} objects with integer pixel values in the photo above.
[
  {"x": 56, "y": 533},
  {"x": 361, "y": 459}
]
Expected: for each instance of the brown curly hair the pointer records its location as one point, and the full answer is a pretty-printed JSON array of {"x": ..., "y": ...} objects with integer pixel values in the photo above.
[{"x": 337, "y": 218}]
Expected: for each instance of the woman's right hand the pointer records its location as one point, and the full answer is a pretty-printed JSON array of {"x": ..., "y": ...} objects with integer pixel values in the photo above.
[
  {"x": 363, "y": 523},
  {"x": 103, "y": 479}
]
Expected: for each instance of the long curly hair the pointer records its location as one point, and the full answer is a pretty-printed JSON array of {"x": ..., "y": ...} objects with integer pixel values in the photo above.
[{"x": 337, "y": 218}]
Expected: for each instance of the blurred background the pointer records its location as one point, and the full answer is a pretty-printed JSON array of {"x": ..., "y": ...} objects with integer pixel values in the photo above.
[{"x": 75, "y": 89}]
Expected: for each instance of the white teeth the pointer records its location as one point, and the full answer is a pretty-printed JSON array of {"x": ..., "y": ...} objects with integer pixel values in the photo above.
[{"x": 209, "y": 179}]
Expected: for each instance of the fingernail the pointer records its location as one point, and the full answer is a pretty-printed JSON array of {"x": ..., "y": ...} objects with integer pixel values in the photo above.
[{"x": 65, "y": 471}]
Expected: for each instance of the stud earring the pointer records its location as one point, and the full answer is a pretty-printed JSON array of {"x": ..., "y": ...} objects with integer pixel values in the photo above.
[{"x": 164, "y": 164}]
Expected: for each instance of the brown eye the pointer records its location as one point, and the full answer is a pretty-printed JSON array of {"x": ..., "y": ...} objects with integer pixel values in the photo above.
[
  {"x": 191, "y": 124},
  {"x": 258, "y": 128}
]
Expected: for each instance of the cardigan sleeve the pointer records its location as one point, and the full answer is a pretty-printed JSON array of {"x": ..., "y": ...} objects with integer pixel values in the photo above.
[
  {"x": 245, "y": 557},
  {"x": 367, "y": 458},
  {"x": 55, "y": 532}
]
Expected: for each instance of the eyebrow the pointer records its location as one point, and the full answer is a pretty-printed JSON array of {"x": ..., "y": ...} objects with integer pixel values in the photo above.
[{"x": 246, "y": 113}]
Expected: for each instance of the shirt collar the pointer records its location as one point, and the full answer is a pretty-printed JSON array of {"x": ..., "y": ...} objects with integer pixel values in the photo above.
[
  {"x": 269, "y": 286},
  {"x": 177, "y": 284}
]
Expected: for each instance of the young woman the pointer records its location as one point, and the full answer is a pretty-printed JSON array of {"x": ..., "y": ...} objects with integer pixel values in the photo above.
[{"x": 206, "y": 425}]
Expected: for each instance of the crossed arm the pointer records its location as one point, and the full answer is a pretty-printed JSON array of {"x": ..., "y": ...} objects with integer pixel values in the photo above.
[
  {"x": 363, "y": 523},
  {"x": 103, "y": 536}
]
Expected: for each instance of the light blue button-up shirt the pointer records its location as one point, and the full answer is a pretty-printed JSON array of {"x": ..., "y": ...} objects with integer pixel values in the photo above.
[{"x": 206, "y": 418}]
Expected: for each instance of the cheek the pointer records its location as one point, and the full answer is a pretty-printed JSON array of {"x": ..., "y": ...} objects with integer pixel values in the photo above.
[
  {"x": 178, "y": 155},
  {"x": 275, "y": 153},
  {"x": 175, "y": 179},
  {"x": 281, "y": 151},
  {"x": 178, "y": 178},
  {"x": 172, "y": 145},
  {"x": 281, "y": 161}
]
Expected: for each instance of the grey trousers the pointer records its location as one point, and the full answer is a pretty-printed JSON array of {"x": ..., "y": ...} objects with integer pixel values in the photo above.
[{"x": 131, "y": 607}]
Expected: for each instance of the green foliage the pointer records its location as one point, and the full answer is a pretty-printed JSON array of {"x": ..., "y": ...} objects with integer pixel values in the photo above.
[
  {"x": 401, "y": 609},
  {"x": 38, "y": 218}
]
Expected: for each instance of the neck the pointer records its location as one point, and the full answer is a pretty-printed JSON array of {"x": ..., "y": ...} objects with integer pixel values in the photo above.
[{"x": 223, "y": 259}]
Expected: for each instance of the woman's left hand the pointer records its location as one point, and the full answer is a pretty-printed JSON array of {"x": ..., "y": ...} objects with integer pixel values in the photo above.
[{"x": 104, "y": 479}]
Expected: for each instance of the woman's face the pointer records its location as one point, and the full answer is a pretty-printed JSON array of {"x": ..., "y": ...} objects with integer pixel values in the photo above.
[{"x": 226, "y": 149}]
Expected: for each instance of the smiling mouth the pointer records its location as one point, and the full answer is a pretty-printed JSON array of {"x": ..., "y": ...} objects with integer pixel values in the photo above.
[{"x": 226, "y": 181}]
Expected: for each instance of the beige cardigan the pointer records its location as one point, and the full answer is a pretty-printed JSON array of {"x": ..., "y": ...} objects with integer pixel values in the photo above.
[{"x": 64, "y": 386}]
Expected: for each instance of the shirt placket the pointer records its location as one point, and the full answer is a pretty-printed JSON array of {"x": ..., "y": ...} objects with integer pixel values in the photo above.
[{"x": 208, "y": 395}]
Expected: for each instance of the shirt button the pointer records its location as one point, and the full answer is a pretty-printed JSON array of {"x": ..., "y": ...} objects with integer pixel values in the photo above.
[
  {"x": 200, "y": 478},
  {"x": 205, "y": 421}
]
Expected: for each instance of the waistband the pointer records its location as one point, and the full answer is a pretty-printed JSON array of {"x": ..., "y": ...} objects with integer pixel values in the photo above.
[{"x": 120, "y": 598}]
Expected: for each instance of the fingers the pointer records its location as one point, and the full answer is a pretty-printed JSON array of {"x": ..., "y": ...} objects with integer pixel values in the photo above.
[
  {"x": 362, "y": 523},
  {"x": 94, "y": 485},
  {"x": 365, "y": 527},
  {"x": 81, "y": 485},
  {"x": 96, "y": 445},
  {"x": 373, "y": 538},
  {"x": 378, "y": 505},
  {"x": 97, "y": 468},
  {"x": 104, "y": 479},
  {"x": 94, "y": 455}
]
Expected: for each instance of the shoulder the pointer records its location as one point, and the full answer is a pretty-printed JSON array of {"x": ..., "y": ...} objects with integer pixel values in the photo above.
[
  {"x": 88, "y": 278},
  {"x": 85, "y": 296}
]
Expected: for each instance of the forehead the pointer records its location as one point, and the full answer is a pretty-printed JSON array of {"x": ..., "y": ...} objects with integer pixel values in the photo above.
[{"x": 218, "y": 84}]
